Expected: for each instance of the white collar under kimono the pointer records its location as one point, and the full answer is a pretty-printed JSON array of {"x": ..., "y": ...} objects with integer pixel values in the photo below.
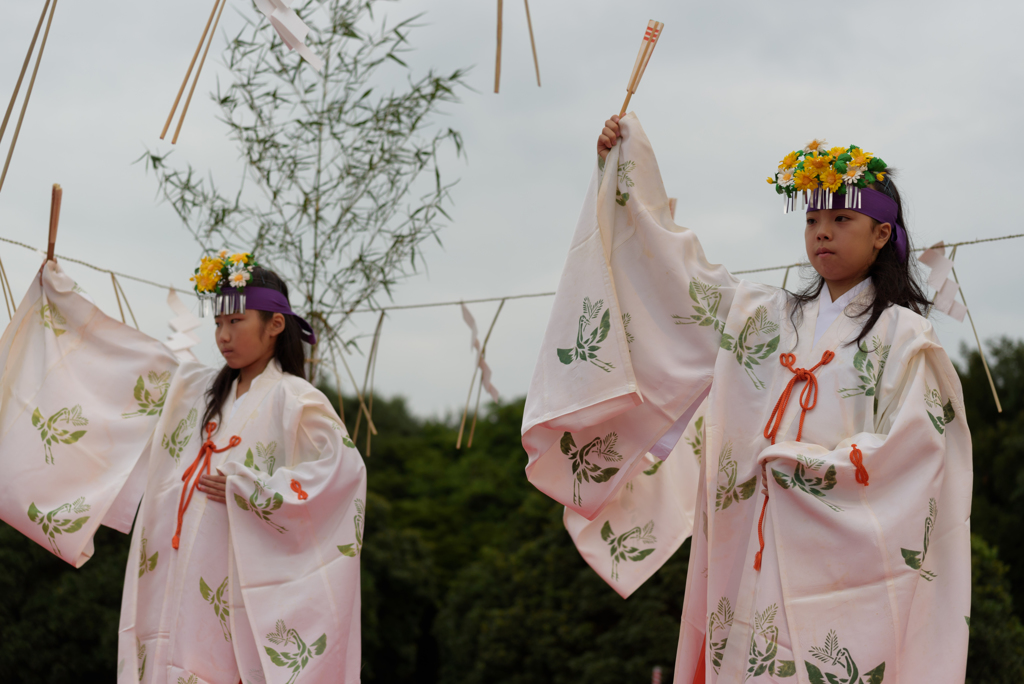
[{"x": 828, "y": 310}]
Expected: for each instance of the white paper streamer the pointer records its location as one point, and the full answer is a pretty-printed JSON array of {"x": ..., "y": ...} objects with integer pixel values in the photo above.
[
  {"x": 475, "y": 344},
  {"x": 290, "y": 27},
  {"x": 945, "y": 289},
  {"x": 183, "y": 323}
]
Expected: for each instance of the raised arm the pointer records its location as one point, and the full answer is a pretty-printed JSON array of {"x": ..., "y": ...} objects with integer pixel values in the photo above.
[{"x": 633, "y": 335}]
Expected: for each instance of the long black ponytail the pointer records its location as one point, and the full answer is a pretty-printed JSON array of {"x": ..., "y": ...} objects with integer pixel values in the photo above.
[
  {"x": 895, "y": 281},
  {"x": 287, "y": 349}
]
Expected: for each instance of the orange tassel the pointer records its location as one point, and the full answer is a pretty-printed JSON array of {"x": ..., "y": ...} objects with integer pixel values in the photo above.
[{"x": 857, "y": 458}]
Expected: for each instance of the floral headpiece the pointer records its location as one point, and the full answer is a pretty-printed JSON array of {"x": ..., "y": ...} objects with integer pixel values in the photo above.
[
  {"x": 225, "y": 270},
  {"x": 817, "y": 173}
]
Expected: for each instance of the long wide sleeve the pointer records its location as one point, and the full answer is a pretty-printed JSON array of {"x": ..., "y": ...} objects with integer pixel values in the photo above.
[
  {"x": 80, "y": 396},
  {"x": 632, "y": 339},
  {"x": 877, "y": 555},
  {"x": 296, "y": 538}
]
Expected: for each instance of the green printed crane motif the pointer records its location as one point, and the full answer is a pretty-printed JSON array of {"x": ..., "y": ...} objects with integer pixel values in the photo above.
[
  {"x": 298, "y": 660},
  {"x": 140, "y": 650},
  {"x": 178, "y": 440},
  {"x": 352, "y": 550},
  {"x": 587, "y": 346},
  {"x": 697, "y": 443},
  {"x": 750, "y": 355},
  {"x": 192, "y": 679},
  {"x": 51, "y": 317},
  {"x": 915, "y": 559},
  {"x": 219, "y": 600},
  {"x": 720, "y": 619},
  {"x": 706, "y": 300},
  {"x": 870, "y": 364},
  {"x": 52, "y": 525},
  {"x": 621, "y": 550},
  {"x": 51, "y": 434},
  {"x": 146, "y": 564},
  {"x": 835, "y": 657},
  {"x": 934, "y": 399},
  {"x": 624, "y": 168},
  {"x": 263, "y": 510},
  {"x": 265, "y": 452},
  {"x": 585, "y": 471},
  {"x": 815, "y": 486},
  {"x": 150, "y": 396},
  {"x": 761, "y": 661},
  {"x": 729, "y": 492}
]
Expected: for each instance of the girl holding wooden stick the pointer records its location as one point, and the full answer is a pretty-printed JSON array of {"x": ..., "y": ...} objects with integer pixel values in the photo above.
[{"x": 831, "y": 536}]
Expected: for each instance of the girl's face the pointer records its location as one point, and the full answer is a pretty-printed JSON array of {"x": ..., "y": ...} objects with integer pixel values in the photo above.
[
  {"x": 842, "y": 244},
  {"x": 245, "y": 339}
]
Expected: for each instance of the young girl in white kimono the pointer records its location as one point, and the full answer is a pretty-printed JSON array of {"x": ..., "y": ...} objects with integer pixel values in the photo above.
[
  {"x": 244, "y": 561},
  {"x": 831, "y": 527}
]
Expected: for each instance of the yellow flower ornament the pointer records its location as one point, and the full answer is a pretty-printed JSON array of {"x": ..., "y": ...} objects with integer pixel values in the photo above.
[{"x": 818, "y": 171}]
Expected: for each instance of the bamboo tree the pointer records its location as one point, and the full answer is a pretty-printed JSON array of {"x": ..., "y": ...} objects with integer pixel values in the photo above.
[{"x": 341, "y": 180}]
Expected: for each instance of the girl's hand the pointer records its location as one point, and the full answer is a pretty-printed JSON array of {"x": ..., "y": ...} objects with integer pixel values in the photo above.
[
  {"x": 214, "y": 486},
  {"x": 609, "y": 136}
]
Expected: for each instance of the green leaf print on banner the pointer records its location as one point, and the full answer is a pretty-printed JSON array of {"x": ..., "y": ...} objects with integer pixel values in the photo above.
[
  {"x": 619, "y": 549},
  {"x": 729, "y": 493},
  {"x": 762, "y": 661},
  {"x": 706, "y": 300},
  {"x": 298, "y": 660},
  {"x": 624, "y": 168},
  {"x": 720, "y": 619},
  {"x": 934, "y": 399},
  {"x": 52, "y": 525},
  {"x": 150, "y": 396},
  {"x": 815, "y": 486},
  {"x": 835, "y": 657},
  {"x": 265, "y": 452},
  {"x": 178, "y": 440},
  {"x": 750, "y": 355},
  {"x": 352, "y": 550},
  {"x": 697, "y": 443},
  {"x": 587, "y": 347},
  {"x": 51, "y": 434},
  {"x": 915, "y": 559},
  {"x": 146, "y": 564},
  {"x": 218, "y": 599},
  {"x": 585, "y": 471},
  {"x": 870, "y": 364},
  {"x": 140, "y": 649},
  {"x": 265, "y": 509},
  {"x": 51, "y": 317},
  {"x": 192, "y": 679}
]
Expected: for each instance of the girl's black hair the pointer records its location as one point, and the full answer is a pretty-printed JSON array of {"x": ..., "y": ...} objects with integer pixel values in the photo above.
[
  {"x": 895, "y": 281},
  {"x": 287, "y": 349}
]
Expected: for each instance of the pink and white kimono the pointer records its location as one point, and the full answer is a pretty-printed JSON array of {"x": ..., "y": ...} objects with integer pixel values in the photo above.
[
  {"x": 95, "y": 415},
  {"x": 860, "y": 502}
]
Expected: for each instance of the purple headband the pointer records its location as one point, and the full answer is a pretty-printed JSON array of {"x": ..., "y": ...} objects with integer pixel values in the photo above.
[
  {"x": 261, "y": 299},
  {"x": 875, "y": 204}
]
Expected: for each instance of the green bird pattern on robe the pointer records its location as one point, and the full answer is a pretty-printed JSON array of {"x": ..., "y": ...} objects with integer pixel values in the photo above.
[
  {"x": 264, "y": 510},
  {"x": 915, "y": 559},
  {"x": 352, "y": 550},
  {"x": 298, "y": 659},
  {"x": 150, "y": 396},
  {"x": 620, "y": 548},
  {"x": 53, "y": 526},
  {"x": 587, "y": 346},
  {"x": 176, "y": 442},
  {"x": 835, "y": 658},
  {"x": 583, "y": 469},
  {"x": 51, "y": 433},
  {"x": 815, "y": 486},
  {"x": 765, "y": 660},
  {"x": 719, "y": 620}
]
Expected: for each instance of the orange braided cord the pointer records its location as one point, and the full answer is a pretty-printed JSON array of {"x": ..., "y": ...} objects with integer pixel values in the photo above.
[
  {"x": 857, "y": 458},
  {"x": 206, "y": 451},
  {"x": 760, "y": 533},
  {"x": 808, "y": 395}
]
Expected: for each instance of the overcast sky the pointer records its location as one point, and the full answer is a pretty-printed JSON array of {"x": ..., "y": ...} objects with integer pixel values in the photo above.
[{"x": 933, "y": 88}]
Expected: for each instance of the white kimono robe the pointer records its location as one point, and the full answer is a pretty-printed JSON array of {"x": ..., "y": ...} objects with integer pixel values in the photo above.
[
  {"x": 264, "y": 589},
  {"x": 858, "y": 581}
]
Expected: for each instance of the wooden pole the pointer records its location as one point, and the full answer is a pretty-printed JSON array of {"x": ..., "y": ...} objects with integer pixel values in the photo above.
[
  {"x": 202, "y": 39},
  {"x": 981, "y": 350},
  {"x": 55, "y": 198},
  {"x": 195, "y": 81},
  {"x": 28, "y": 95},
  {"x": 497, "y": 60},
  {"x": 24, "y": 68},
  {"x": 533, "y": 45}
]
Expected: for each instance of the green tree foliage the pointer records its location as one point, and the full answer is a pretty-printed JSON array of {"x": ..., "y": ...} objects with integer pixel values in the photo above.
[{"x": 996, "y": 652}]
